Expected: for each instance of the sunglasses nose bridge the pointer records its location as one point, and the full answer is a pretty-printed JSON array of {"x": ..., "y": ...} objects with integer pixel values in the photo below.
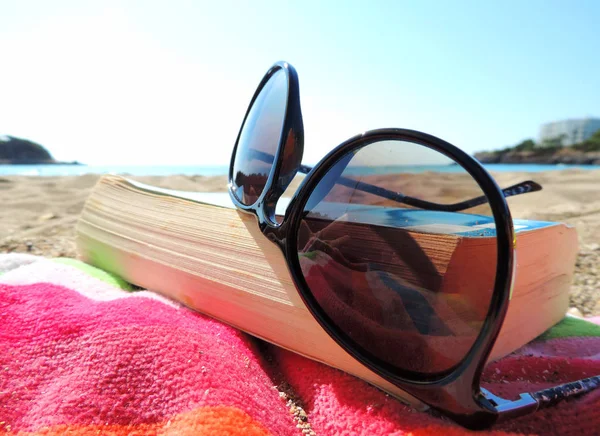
[
  {"x": 293, "y": 149},
  {"x": 287, "y": 166}
]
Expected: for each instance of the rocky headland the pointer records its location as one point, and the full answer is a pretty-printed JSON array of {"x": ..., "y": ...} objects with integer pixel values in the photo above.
[
  {"x": 17, "y": 151},
  {"x": 565, "y": 156},
  {"x": 549, "y": 151}
]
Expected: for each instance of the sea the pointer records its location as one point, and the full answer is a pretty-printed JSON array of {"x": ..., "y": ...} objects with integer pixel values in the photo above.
[{"x": 157, "y": 170}]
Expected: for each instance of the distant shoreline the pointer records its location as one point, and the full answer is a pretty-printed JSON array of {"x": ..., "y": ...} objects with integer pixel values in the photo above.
[
  {"x": 33, "y": 162},
  {"x": 53, "y": 170}
]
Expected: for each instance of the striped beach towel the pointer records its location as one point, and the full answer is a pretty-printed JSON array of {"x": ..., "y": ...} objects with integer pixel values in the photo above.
[{"x": 82, "y": 352}]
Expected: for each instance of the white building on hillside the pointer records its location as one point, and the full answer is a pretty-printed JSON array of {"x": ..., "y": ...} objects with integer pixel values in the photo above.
[{"x": 572, "y": 131}]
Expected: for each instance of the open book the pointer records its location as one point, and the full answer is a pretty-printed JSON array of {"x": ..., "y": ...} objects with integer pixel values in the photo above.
[{"x": 198, "y": 249}]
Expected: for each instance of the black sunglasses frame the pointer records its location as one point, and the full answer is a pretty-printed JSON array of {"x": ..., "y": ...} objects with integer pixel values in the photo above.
[{"x": 455, "y": 392}]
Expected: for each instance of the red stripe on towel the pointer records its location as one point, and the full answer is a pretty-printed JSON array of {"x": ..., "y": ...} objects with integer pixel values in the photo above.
[{"x": 68, "y": 360}]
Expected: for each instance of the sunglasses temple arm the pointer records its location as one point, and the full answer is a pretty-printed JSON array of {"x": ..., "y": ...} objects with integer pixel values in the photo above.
[
  {"x": 551, "y": 396},
  {"x": 519, "y": 188},
  {"x": 531, "y": 402}
]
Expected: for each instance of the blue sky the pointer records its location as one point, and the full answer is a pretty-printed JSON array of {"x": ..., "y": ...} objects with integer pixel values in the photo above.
[{"x": 169, "y": 82}]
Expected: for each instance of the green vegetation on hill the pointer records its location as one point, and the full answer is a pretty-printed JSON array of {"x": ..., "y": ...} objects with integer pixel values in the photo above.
[
  {"x": 550, "y": 151},
  {"x": 591, "y": 144},
  {"x": 22, "y": 151}
]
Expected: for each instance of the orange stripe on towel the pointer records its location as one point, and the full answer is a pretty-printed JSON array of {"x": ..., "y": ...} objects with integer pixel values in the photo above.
[{"x": 221, "y": 420}]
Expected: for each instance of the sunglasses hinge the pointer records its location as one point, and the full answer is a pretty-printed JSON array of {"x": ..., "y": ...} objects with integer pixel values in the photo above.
[{"x": 511, "y": 408}]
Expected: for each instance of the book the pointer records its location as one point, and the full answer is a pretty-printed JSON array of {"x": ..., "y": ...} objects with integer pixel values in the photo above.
[{"x": 198, "y": 249}]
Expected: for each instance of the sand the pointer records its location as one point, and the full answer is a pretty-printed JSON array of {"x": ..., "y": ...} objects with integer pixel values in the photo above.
[{"x": 39, "y": 214}]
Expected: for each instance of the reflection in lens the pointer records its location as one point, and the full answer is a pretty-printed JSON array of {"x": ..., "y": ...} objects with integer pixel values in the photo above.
[
  {"x": 410, "y": 286},
  {"x": 259, "y": 139}
]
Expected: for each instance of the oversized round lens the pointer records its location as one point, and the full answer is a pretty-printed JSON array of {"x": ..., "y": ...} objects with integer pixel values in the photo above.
[
  {"x": 259, "y": 138},
  {"x": 396, "y": 257}
]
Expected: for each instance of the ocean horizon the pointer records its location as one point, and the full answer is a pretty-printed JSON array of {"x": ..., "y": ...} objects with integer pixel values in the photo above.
[{"x": 218, "y": 170}]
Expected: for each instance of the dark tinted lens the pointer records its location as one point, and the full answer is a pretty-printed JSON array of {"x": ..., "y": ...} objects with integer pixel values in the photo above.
[
  {"x": 410, "y": 286},
  {"x": 259, "y": 139}
]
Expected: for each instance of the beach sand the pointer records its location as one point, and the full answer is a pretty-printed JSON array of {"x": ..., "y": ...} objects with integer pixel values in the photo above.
[{"x": 39, "y": 214}]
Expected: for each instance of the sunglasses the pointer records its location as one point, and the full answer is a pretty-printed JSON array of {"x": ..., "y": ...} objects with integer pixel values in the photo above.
[{"x": 400, "y": 244}]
